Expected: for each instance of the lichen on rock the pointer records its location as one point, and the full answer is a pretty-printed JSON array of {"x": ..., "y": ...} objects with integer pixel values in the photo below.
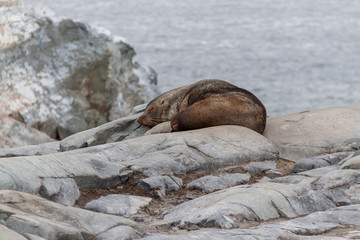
[{"x": 62, "y": 77}]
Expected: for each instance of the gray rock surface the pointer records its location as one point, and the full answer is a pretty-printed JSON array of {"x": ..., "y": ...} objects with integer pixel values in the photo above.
[
  {"x": 159, "y": 185},
  {"x": 352, "y": 163},
  {"x": 117, "y": 130},
  {"x": 64, "y": 77},
  {"x": 63, "y": 190},
  {"x": 312, "y": 133},
  {"x": 31, "y": 150},
  {"x": 308, "y": 227},
  {"x": 290, "y": 196},
  {"x": 172, "y": 153},
  {"x": 118, "y": 204},
  {"x": 15, "y": 133},
  {"x": 305, "y": 164},
  {"x": 255, "y": 168},
  {"x": 212, "y": 183},
  {"x": 28, "y": 214},
  {"x": 7, "y": 234},
  {"x": 349, "y": 145}
]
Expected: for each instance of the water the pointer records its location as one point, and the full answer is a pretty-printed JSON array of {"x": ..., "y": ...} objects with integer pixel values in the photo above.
[{"x": 294, "y": 55}]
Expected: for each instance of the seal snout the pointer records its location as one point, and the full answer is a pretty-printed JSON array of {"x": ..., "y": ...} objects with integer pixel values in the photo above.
[{"x": 141, "y": 119}]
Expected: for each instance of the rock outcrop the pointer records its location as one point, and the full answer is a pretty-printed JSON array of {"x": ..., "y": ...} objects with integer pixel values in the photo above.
[
  {"x": 313, "y": 133},
  {"x": 62, "y": 77},
  {"x": 179, "y": 176}
]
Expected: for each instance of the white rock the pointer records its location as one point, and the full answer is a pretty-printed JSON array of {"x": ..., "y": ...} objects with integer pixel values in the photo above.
[{"x": 64, "y": 77}]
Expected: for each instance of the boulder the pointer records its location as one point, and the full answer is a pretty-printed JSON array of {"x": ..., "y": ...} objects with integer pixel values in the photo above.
[
  {"x": 159, "y": 185},
  {"x": 27, "y": 214},
  {"x": 312, "y": 133},
  {"x": 352, "y": 163},
  {"x": 255, "y": 168},
  {"x": 118, "y": 204},
  {"x": 15, "y": 133},
  {"x": 63, "y": 76},
  {"x": 212, "y": 183}
]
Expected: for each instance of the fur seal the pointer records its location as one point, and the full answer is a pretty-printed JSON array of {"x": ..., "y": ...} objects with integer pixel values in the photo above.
[{"x": 206, "y": 103}]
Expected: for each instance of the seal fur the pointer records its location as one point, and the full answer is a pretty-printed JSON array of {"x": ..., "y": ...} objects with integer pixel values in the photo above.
[{"x": 206, "y": 103}]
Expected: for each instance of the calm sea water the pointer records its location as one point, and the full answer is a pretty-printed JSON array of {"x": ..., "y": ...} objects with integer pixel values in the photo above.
[{"x": 294, "y": 55}]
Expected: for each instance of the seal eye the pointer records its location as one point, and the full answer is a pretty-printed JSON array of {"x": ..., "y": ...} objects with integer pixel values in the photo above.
[{"x": 162, "y": 102}]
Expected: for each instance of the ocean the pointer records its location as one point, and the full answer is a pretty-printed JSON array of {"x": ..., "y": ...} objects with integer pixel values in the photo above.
[{"x": 294, "y": 55}]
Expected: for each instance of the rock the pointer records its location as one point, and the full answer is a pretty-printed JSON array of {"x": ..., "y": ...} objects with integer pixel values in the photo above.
[
  {"x": 104, "y": 165},
  {"x": 31, "y": 150},
  {"x": 7, "y": 234},
  {"x": 312, "y": 133},
  {"x": 289, "y": 196},
  {"x": 212, "y": 183},
  {"x": 305, "y": 164},
  {"x": 65, "y": 77},
  {"x": 349, "y": 145},
  {"x": 28, "y": 214},
  {"x": 14, "y": 133},
  {"x": 255, "y": 168},
  {"x": 314, "y": 226},
  {"x": 164, "y": 127},
  {"x": 63, "y": 190},
  {"x": 158, "y": 186},
  {"x": 33, "y": 237},
  {"x": 118, "y": 204},
  {"x": 45, "y": 228},
  {"x": 352, "y": 163},
  {"x": 117, "y": 130},
  {"x": 201, "y": 150}
]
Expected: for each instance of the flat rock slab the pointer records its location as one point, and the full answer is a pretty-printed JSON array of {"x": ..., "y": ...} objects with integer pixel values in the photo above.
[
  {"x": 27, "y": 214},
  {"x": 31, "y": 150},
  {"x": 313, "y": 226},
  {"x": 305, "y": 164},
  {"x": 161, "y": 154},
  {"x": 213, "y": 183},
  {"x": 312, "y": 133},
  {"x": 118, "y": 204},
  {"x": 159, "y": 185},
  {"x": 115, "y": 131},
  {"x": 289, "y": 196},
  {"x": 255, "y": 168}
]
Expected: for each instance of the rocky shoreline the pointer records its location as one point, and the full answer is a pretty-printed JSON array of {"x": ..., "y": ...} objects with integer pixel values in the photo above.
[
  {"x": 81, "y": 179},
  {"x": 225, "y": 182}
]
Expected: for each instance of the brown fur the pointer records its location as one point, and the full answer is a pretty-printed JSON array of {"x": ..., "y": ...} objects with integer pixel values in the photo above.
[{"x": 206, "y": 103}]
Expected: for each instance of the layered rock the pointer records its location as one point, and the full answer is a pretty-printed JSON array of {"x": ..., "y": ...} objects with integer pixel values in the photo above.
[
  {"x": 26, "y": 214},
  {"x": 289, "y": 197},
  {"x": 106, "y": 165},
  {"x": 64, "y": 77}
]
